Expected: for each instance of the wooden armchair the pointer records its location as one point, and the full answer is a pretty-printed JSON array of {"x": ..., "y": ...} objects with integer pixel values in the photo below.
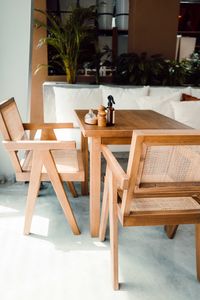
[
  {"x": 160, "y": 187},
  {"x": 42, "y": 160}
]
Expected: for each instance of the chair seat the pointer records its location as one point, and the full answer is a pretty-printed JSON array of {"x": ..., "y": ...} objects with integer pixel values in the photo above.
[
  {"x": 68, "y": 163},
  {"x": 167, "y": 203}
]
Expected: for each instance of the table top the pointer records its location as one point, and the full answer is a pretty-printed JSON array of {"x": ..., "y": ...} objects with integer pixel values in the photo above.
[{"x": 127, "y": 121}]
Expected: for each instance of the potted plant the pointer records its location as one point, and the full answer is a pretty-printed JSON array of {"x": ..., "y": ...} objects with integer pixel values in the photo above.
[
  {"x": 67, "y": 37},
  {"x": 193, "y": 76},
  {"x": 135, "y": 69},
  {"x": 99, "y": 59}
]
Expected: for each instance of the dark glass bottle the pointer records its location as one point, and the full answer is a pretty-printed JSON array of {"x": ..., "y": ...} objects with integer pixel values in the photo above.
[{"x": 110, "y": 111}]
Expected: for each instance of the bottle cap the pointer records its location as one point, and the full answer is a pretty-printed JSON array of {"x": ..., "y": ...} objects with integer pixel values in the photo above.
[{"x": 110, "y": 101}]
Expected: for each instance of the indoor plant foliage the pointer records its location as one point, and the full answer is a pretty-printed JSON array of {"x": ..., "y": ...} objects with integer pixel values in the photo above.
[
  {"x": 101, "y": 57},
  {"x": 142, "y": 69},
  {"x": 67, "y": 37},
  {"x": 193, "y": 75},
  {"x": 134, "y": 69}
]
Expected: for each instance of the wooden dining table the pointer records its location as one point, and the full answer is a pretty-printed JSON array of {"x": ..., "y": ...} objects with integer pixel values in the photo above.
[{"x": 119, "y": 134}]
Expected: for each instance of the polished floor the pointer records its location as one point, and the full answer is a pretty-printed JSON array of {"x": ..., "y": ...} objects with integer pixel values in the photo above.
[{"x": 52, "y": 264}]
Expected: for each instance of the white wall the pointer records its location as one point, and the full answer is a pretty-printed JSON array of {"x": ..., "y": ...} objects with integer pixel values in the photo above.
[{"x": 15, "y": 33}]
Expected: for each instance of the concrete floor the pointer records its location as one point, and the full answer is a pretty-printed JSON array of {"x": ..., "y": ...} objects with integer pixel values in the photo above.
[{"x": 52, "y": 264}]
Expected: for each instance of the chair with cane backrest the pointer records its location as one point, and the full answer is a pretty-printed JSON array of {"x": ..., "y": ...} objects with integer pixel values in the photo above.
[
  {"x": 43, "y": 160},
  {"x": 160, "y": 187}
]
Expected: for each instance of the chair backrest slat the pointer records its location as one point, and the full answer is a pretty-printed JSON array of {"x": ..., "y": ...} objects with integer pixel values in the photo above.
[{"x": 158, "y": 158}]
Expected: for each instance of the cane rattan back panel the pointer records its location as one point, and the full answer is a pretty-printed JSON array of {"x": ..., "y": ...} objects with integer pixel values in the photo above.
[
  {"x": 163, "y": 164},
  {"x": 10, "y": 121}
]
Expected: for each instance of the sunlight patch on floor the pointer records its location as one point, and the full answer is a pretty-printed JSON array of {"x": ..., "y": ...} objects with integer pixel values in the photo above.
[
  {"x": 6, "y": 209},
  {"x": 100, "y": 244},
  {"x": 40, "y": 225}
]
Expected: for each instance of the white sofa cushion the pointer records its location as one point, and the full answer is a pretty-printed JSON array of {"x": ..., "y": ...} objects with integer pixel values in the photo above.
[
  {"x": 187, "y": 112},
  {"x": 166, "y": 91},
  {"x": 161, "y": 104},
  {"x": 69, "y": 99},
  {"x": 156, "y": 104},
  {"x": 195, "y": 92},
  {"x": 125, "y": 98}
]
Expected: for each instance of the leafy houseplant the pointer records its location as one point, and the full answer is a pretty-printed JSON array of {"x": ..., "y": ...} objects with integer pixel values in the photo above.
[
  {"x": 98, "y": 59},
  {"x": 135, "y": 69},
  {"x": 177, "y": 72},
  {"x": 194, "y": 69},
  {"x": 132, "y": 68},
  {"x": 67, "y": 37}
]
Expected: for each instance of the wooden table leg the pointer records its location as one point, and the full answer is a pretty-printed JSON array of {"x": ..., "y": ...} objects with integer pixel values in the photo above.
[
  {"x": 95, "y": 185},
  {"x": 84, "y": 149}
]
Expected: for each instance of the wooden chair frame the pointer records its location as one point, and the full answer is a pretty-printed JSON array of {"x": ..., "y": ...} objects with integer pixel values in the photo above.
[
  {"x": 127, "y": 185},
  {"x": 40, "y": 153}
]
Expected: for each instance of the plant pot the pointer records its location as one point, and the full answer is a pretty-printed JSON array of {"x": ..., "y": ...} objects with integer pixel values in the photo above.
[
  {"x": 122, "y": 14},
  {"x": 105, "y": 14},
  {"x": 87, "y": 3},
  {"x": 66, "y": 9}
]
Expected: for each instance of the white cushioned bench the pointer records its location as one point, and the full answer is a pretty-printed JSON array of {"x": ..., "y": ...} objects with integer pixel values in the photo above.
[{"x": 60, "y": 100}]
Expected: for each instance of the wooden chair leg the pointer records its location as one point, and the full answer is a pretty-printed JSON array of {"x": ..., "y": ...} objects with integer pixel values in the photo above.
[
  {"x": 59, "y": 190},
  {"x": 72, "y": 189},
  {"x": 198, "y": 250},
  {"x": 170, "y": 230},
  {"x": 33, "y": 189},
  {"x": 113, "y": 217},
  {"x": 104, "y": 210}
]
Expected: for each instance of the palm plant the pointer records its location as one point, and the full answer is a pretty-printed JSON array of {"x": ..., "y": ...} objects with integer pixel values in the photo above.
[{"x": 68, "y": 36}]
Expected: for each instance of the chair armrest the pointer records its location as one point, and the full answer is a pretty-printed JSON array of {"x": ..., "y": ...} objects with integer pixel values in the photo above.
[
  {"x": 118, "y": 172},
  {"x": 39, "y": 145},
  {"x": 36, "y": 126}
]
